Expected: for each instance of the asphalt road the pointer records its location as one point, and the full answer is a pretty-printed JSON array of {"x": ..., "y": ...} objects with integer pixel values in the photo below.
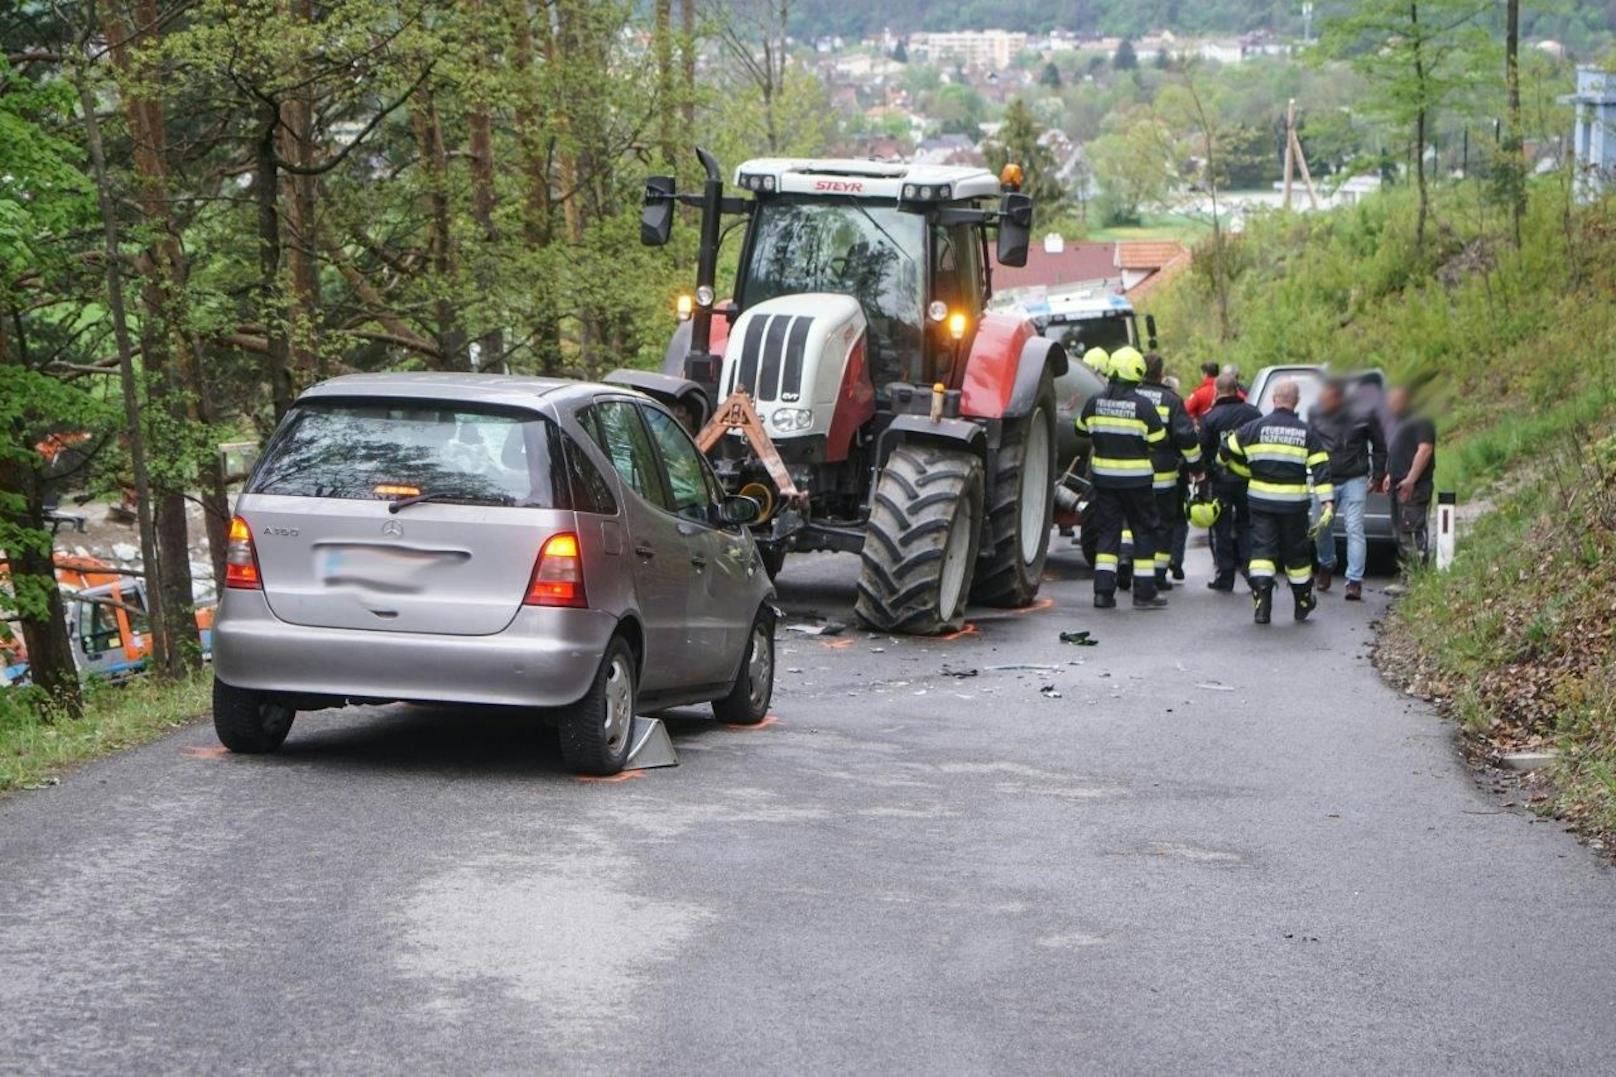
[{"x": 1221, "y": 848}]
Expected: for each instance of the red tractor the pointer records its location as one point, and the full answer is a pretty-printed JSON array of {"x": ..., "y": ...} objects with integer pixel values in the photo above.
[{"x": 858, "y": 387}]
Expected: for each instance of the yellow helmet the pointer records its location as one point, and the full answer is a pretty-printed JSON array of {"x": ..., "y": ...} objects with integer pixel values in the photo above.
[
  {"x": 1127, "y": 364},
  {"x": 1205, "y": 513},
  {"x": 1097, "y": 360}
]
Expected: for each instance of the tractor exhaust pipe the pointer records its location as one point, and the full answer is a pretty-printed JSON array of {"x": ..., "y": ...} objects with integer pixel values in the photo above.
[{"x": 700, "y": 365}]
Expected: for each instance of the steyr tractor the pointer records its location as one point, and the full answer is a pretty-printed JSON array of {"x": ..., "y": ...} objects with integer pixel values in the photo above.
[{"x": 858, "y": 387}]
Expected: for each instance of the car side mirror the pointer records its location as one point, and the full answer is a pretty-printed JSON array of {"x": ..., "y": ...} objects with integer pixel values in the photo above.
[
  {"x": 738, "y": 511},
  {"x": 1015, "y": 229},
  {"x": 656, "y": 219}
]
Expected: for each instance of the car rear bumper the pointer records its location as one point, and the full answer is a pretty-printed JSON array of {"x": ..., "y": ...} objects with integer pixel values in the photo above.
[{"x": 544, "y": 658}]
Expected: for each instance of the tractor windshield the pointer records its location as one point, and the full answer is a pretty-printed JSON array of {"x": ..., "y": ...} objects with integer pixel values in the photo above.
[{"x": 870, "y": 252}]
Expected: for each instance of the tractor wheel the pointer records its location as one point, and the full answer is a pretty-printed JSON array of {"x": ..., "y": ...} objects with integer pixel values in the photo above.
[
  {"x": 921, "y": 543},
  {"x": 1021, "y": 501}
]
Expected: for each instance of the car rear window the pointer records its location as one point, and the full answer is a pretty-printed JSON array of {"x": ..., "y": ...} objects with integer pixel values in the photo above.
[{"x": 387, "y": 449}]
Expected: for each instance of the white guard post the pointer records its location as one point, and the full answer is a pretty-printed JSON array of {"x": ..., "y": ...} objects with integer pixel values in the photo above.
[{"x": 1446, "y": 502}]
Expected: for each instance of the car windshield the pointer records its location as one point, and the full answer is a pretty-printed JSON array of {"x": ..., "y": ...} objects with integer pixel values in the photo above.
[
  {"x": 1309, "y": 383},
  {"x": 390, "y": 449},
  {"x": 870, "y": 252},
  {"x": 1078, "y": 337}
]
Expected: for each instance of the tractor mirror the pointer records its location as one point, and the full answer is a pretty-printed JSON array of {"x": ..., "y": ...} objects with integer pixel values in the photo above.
[
  {"x": 656, "y": 219},
  {"x": 1015, "y": 229},
  {"x": 1150, "y": 331},
  {"x": 738, "y": 511}
]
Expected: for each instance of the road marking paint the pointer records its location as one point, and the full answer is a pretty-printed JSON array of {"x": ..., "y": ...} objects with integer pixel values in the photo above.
[
  {"x": 1037, "y": 607},
  {"x": 768, "y": 720},
  {"x": 836, "y": 644},
  {"x": 217, "y": 751},
  {"x": 624, "y": 776},
  {"x": 968, "y": 630}
]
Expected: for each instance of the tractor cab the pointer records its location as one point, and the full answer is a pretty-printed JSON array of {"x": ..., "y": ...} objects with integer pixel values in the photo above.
[{"x": 908, "y": 242}]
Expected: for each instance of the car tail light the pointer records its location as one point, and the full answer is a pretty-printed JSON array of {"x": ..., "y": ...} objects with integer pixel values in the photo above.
[
  {"x": 558, "y": 575},
  {"x": 241, "y": 559}
]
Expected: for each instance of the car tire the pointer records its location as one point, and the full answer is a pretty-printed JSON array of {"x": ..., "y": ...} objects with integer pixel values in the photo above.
[
  {"x": 597, "y": 731},
  {"x": 748, "y": 700},
  {"x": 248, "y": 721}
]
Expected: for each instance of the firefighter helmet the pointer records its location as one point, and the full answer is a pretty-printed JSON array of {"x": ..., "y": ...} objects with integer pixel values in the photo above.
[
  {"x": 1128, "y": 365},
  {"x": 1098, "y": 360},
  {"x": 1204, "y": 513}
]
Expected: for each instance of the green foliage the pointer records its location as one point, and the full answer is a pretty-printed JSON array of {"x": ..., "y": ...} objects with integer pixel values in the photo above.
[{"x": 1019, "y": 141}]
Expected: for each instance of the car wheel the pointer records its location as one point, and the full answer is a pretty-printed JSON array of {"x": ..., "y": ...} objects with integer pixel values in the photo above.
[
  {"x": 748, "y": 700},
  {"x": 597, "y": 730},
  {"x": 249, "y": 721}
]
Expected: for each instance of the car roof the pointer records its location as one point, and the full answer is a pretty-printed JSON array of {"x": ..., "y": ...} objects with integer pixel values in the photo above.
[{"x": 511, "y": 390}]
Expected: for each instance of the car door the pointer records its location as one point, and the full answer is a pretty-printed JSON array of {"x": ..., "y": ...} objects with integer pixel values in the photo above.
[
  {"x": 659, "y": 551},
  {"x": 720, "y": 587}
]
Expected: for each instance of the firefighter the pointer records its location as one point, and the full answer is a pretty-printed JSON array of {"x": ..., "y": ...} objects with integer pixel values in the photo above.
[
  {"x": 1180, "y": 449},
  {"x": 1098, "y": 360},
  {"x": 1231, "y": 532},
  {"x": 1123, "y": 429},
  {"x": 1282, "y": 454}
]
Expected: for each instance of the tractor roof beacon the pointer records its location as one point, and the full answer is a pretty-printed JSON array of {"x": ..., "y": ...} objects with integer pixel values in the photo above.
[{"x": 858, "y": 386}]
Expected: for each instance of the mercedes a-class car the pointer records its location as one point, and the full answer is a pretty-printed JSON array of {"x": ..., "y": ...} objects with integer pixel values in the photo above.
[{"x": 487, "y": 539}]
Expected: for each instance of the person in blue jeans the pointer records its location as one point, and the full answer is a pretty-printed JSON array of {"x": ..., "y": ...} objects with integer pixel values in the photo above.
[{"x": 1353, "y": 437}]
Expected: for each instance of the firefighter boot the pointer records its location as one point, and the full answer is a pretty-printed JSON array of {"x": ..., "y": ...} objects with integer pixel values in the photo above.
[
  {"x": 1146, "y": 599},
  {"x": 1105, "y": 600},
  {"x": 1124, "y": 577},
  {"x": 1162, "y": 582},
  {"x": 1262, "y": 598},
  {"x": 1306, "y": 602}
]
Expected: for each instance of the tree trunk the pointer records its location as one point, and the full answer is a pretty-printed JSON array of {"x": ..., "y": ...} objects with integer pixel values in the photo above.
[
  {"x": 1513, "y": 147},
  {"x": 687, "y": 46},
  {"x": 480, "y": 134},
  {"x": 40, "y": 614},
  {"x": 662, "y": 45},
  {"x": 428, "y": 128},
  {"x": 1419, "y": 131},
  {"x": 266, "y": 192},
  {"x": 134, "y": 431},
  {"x": 160, "y": 333}
]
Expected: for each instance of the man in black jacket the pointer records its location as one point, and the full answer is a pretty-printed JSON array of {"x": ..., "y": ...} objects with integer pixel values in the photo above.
[
  {"x": 1283, "y": 457},
  {"x": 1231, "y": 535},
  {"x": 1351, "y": 434}
]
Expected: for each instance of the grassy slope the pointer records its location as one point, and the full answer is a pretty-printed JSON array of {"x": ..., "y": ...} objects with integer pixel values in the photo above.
[
  {"x": 116, "y": 717},
  {"x": 1516, "y": 352}
]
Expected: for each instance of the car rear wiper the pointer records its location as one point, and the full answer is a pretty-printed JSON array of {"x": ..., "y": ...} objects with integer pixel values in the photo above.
[{"x": 448, "y": 495}]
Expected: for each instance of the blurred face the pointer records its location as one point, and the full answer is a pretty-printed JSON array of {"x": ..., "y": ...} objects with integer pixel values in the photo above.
[
  {"x": 1397, "y": 403},
  {"x": 1329, "y": 398}
]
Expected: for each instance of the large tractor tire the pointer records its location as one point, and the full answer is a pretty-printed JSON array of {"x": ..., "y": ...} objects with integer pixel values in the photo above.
[
  {"x": 1021, "y": 508},
  {"x": 921, "y": 543}
]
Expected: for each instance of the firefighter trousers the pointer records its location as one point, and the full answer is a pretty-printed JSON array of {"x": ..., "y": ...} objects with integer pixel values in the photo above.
[
  {"x": 1280, "y": 543},
  {"x": 1231, "y": 535},
  {"x": 1134, "y": 509},
  {"x": 1169, "y": 515}
]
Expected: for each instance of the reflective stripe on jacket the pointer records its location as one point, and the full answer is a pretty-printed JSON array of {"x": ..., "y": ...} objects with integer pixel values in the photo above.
[
  {"x": 1181, "y": 445},
  {"x": 1122, "y": 428},
  {"x": 1283, "y": 457}
]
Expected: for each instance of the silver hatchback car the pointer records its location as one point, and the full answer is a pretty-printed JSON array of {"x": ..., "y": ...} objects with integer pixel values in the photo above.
[{"x": 486, "y": 539}]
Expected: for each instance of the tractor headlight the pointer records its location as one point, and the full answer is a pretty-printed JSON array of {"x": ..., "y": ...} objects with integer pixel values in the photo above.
[
  {"x": 704, "y": 296},
  {"x": 768, "y": 183},
  {"x": 909, "y": 191},
  {"x": 791, "y": 420}
]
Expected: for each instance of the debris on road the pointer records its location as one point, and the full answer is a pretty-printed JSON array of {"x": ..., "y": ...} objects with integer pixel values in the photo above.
[
  {"x": 1049, "y": 691},
  {"x": 1079, "y": 639},
  {"x": 1023, "y": 667},
  {"x": 960, "y": 673},
  {"x": 819, "y": 628},
  {"x": 1215, "y": 686},
  {"x": 1526, "y": 760}
]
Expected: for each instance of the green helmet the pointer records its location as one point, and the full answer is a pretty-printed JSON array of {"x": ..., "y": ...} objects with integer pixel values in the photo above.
[
  {"x": 1128, "y": 365},
  {"x": 1205, "y": 513},
  {"x": 1097, "y": 360}
]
